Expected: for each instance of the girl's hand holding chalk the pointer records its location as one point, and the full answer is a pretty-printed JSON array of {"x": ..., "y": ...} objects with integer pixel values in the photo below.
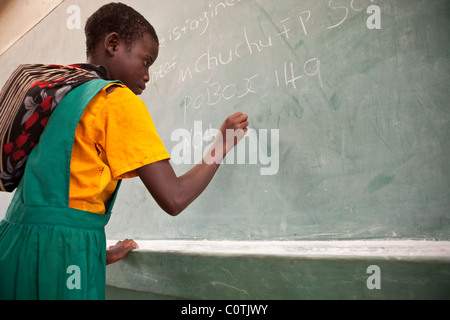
[{"x": 233, "y": 129}]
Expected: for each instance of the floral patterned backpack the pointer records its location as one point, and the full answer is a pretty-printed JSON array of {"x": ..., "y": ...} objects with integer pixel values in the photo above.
[{"x": 27, "y": 100}]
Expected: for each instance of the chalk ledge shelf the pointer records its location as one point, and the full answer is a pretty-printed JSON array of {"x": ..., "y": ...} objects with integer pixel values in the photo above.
[{"x": 241, "y": 270}]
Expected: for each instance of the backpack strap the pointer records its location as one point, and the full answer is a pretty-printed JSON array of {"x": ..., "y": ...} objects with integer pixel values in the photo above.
[{"x": 47, "y": 174}]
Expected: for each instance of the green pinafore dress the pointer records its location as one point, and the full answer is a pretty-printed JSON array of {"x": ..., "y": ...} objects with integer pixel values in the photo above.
[{"x": 48, "y": 250}]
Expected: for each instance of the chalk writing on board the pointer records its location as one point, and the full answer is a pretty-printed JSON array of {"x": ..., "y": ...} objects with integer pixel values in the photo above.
[
  {"x": 200, "y": 23},
  {"x": 296, "y": 72},
  {"x": 210, "y": 60},
  {"x": 215, "y": 92},
  {"x": 310, "y": 68},
  {"x": 161, "y": 70},
  {"x": 340, "y": 12}
]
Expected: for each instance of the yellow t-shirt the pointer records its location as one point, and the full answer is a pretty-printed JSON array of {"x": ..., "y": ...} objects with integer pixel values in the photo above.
[{"x": 114, "y": 137}]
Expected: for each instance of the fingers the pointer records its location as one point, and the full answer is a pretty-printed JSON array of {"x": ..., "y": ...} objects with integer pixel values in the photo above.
[
  {"x": 125, "y": 244},
  {"x": 239, "y": 120},
  {"x": 130, "y": 243},
  {"x": 243, "y": 121},
  {"x": 135, "y": 245}
]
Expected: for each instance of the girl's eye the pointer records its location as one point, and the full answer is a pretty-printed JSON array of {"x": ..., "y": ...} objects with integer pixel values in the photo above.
[{"x": 147, "y": 63}]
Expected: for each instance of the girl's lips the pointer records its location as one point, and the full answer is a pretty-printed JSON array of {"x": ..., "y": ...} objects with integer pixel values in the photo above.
[{"x": 139, "y": 90}]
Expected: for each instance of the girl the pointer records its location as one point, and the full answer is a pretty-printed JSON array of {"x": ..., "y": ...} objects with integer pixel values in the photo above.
[{"x": 52, "y": 241}]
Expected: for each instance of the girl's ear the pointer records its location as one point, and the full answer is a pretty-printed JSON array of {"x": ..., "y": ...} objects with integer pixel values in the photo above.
[{"x": 112, "y": 41}]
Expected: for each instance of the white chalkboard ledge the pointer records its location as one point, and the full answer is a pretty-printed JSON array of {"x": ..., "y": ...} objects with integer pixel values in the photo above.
[{"x": 372, "y": 269}]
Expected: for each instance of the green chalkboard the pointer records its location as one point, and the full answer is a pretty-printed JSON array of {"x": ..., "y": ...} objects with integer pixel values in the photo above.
[{"x": 349, "y": 108}]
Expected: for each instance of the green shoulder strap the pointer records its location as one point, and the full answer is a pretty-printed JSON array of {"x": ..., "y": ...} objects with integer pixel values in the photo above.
[{"x": 47, "y": 174}]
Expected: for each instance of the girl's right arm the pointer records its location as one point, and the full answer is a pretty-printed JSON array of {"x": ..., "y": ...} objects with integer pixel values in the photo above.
[{"x": 174, "y": 194}]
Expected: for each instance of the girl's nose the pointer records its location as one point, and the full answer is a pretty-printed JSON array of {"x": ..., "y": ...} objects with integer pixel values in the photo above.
[{"x": 146, "y": 77}]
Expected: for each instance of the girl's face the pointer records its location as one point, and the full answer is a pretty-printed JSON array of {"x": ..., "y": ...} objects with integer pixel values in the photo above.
[{"x": 131, "y": 65}]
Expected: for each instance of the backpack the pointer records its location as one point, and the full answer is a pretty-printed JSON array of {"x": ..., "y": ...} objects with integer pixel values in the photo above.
[{"x": 27, "y": 100}]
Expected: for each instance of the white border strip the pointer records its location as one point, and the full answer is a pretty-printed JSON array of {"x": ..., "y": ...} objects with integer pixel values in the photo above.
[{"x": 388, "y": 249}]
